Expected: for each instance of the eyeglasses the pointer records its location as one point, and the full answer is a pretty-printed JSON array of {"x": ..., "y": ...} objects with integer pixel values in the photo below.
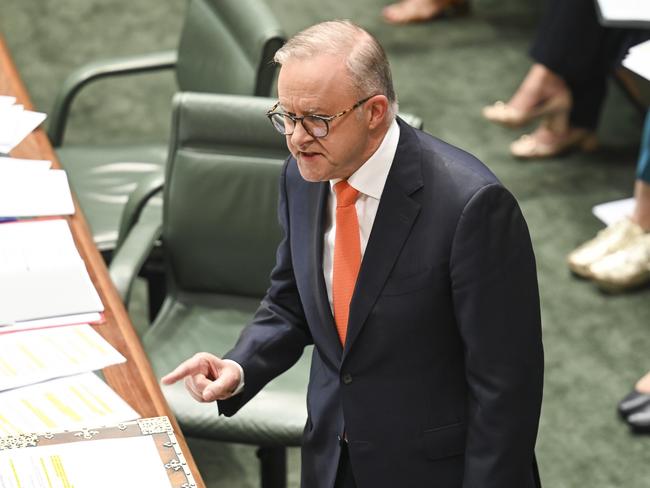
[{"x": 316, "y": 126}]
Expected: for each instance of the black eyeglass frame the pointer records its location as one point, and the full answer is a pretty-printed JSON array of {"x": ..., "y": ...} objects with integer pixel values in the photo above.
[{"x": 325, "y": 118}]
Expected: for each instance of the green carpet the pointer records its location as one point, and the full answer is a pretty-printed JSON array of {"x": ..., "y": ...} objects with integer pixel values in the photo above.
[{"x": 596, "y": 345}]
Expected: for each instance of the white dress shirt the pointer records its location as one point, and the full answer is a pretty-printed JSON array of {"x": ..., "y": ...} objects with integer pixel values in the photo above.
[{"x": 369, "y": 180}]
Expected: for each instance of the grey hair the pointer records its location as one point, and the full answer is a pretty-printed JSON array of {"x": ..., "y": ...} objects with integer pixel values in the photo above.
[{"x": 366, "y": 60}]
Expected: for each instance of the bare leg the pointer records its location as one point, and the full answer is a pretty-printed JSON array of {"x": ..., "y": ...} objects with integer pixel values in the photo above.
[
  {"x": 539, "y": 85},
  {"x": 641, "y": 213},
  {"x": 408, "y": 11},
  {"x": 643, "y": 385}
]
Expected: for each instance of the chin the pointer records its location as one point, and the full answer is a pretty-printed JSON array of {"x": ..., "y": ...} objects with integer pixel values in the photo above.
[
  {"x": 310, "y": 176},
  {"x": 309, "y": 172}
]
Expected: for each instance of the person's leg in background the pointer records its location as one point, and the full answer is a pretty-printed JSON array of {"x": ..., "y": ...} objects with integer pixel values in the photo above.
[
  {"x": 618, "y": 258},
  {"x": 411, "y": 11},
  {"x": 567, "y": 85}
]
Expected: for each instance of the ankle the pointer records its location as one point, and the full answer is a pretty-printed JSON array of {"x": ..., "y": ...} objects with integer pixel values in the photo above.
[{"x": 642, "y": 221}]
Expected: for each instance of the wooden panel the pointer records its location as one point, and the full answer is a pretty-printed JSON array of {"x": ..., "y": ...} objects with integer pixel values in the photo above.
[{"x": 133, "y": 380}]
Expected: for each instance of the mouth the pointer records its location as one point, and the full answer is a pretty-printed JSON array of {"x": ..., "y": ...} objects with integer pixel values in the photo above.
[{"x": 307, "y": 156}]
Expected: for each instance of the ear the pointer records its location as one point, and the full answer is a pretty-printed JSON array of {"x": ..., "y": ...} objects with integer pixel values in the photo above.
[{"x": 377, "y": 109}]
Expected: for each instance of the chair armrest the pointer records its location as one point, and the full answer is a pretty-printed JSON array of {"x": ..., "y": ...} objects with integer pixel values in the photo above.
[
  {"x": 132, "y": 254},
  {"x": 137, "y": 236},
  {"x": 98, "y": 70},
  {"x": 138, "y": 199}
]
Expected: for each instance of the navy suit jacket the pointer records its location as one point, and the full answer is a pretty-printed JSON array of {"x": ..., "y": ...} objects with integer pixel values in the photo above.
[{"x": 440, "y": 380}]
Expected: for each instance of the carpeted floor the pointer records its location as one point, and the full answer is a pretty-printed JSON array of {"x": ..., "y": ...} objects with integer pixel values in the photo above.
[{"x": 596, "y": 345}]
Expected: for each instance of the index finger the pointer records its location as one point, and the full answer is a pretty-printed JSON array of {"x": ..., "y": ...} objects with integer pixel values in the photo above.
[{"x": 186, "y": 368}]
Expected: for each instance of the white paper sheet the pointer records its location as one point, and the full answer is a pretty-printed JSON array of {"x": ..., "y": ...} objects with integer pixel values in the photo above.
[
  {"x": 625, "y": 10},
  {"x": 5, "y": 100},
  {"x": 38, "y": 355},
  {"x": 82, "y": 318},
  {"x": 638, "y": 59},
  {"x": 611, "y": 212},
  {"x": 41, "y": 273},
  {"x": 35, "y": 193},
  {"x": 19, "y": 164},
  {"x": 66, "y": 403},
  {"x": 16, "y": 123},
  {"x": 131, "y": 462}
]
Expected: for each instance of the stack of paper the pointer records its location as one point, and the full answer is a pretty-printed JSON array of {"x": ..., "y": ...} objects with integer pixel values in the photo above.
[
  {"x": 638, "y": 59},
  {"x": 31, "y": 189},
  {"x": 75, "y": 319},
  {"x": 41, "y": 273},
  {"x": 46, "y": 364},
  {"x": 16, "y": 123}
]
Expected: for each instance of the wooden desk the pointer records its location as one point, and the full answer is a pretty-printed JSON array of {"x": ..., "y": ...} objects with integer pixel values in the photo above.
[{"x": 133, "y": 380}]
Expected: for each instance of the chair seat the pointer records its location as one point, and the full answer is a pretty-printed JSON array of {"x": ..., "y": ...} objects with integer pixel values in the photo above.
[
  {"x": 104, "y": 177},
  {"x": 276, "y": 416}
]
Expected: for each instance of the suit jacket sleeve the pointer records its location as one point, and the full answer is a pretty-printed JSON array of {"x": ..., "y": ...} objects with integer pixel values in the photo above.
[
  {"x": 278, "y": 333},
  {"x": 496, "y": 302}
]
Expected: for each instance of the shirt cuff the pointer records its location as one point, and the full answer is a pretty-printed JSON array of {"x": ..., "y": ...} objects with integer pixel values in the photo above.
[{"x": 240, "y": 386}]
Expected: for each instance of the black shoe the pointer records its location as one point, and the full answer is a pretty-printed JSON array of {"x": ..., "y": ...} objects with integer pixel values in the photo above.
[
  {"x": 633, "y": 402},
  {"x": 640, "y": 420}
]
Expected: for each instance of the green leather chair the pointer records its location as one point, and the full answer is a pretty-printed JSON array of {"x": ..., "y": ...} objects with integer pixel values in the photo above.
[
  {"x": 226, "y": 46},
  {"x": 220, "y": 234}
]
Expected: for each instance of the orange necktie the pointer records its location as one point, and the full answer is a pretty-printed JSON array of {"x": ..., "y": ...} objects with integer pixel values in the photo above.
[{"x": 347, "y": 255}]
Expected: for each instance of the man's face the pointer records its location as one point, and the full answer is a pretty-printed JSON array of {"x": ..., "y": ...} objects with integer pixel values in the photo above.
[{"x": 321, "y": 86}]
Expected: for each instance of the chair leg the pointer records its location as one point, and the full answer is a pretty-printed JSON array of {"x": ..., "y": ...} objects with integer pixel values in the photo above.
[{"x": 273, "y": 469}]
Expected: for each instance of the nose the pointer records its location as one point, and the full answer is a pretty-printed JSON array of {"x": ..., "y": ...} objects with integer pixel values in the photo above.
[{"x": 300, "y": 136}]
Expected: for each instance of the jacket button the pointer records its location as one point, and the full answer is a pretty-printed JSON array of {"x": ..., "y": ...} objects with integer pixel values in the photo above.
[{"x": 347, "y": 378}]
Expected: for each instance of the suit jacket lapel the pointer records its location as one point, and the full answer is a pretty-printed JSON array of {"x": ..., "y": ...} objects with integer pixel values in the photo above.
[
  {"x": 318, "y": 211},
  {"x": 395, "y": 216}
]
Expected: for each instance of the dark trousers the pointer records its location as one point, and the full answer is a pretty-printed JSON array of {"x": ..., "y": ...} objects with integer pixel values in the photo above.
[
  {"x": 571, "y": 42},
  {"x": 344, "y": 476}
]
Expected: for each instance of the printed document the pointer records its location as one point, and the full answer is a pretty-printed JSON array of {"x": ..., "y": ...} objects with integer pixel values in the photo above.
[
  {"x": 72, "y": 402},
  {"x": 129, "y": 462},
  {"x": 37, "y": 355}
]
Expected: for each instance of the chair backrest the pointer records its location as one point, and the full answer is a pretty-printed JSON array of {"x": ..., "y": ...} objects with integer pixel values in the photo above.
[
  {"x": 227, "y": 46},
  {"x": 220, "y": 202}
]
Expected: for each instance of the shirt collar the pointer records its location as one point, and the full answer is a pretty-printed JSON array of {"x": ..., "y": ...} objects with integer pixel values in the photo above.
[{"x": 371, "y": 177}]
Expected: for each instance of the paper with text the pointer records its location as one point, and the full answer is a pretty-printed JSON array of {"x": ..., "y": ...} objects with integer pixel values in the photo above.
[
  {"x": 130, "y": 462},
  {"x": 38, "y": 355},
  {"x": 66, "y": 403}
]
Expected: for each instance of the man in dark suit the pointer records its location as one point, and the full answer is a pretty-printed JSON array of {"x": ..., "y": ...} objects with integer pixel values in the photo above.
[{"x": 409, "y": 267}]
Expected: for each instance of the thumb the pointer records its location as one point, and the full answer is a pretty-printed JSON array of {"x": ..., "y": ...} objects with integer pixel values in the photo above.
[{"x": 222, "y": 387}]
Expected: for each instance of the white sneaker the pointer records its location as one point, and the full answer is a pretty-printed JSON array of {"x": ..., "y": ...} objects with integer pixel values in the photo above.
[
  {"x": 607, "y": 241},
  {"x": 626, "y": 268}
]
